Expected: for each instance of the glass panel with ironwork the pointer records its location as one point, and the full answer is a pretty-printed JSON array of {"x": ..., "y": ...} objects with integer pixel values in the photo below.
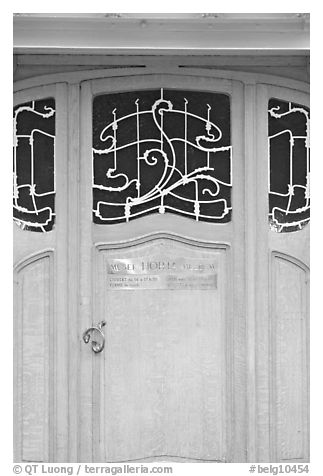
[
  {"x": 34, "y": 165},
  {"x": 289, "y": 166},
  {"x": 160, "y": 151}
]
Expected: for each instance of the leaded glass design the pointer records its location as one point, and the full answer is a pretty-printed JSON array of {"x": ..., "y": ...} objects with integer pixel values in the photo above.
[
  {"x": 289, "y": 166},
  {"x": 159, "y": 151},
  {"x": 33, "y": 165}
]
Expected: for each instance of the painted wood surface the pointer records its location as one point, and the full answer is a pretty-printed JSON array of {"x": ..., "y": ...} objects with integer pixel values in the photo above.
[
  {"x": 290, "y": 358},
  {"x": 293, "y": 66},
  {"x": 164, "y": 379},
  {"x": 251, "y": 334},
  {"x": 282, "y": 339},
  {"x": 40, "y": 317},
  {"x": 228, "y": 235},
  {"x": 35, "y": 316}
]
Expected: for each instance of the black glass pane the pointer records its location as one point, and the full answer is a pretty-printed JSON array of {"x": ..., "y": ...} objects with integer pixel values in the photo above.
[
  {"x": 289, "y": 166},
  {"x": 33, "y": 165},
  {"x": 160, "y": 151}
]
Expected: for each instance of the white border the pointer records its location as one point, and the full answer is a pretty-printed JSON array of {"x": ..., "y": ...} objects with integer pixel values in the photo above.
[{"x": 6, "y": 345}]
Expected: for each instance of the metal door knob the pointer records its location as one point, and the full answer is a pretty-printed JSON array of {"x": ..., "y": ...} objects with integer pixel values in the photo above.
[{"x": 88, "y": 334}]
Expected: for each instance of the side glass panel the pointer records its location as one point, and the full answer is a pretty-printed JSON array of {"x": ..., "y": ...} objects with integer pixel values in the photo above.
[
  {"x": 34, "y": 165},
  {"x": 160, "y": 151},
  {"x": 289, "y": 166}
]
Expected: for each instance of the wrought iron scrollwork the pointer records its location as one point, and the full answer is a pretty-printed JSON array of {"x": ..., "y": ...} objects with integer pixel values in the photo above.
[
  {"x": 161, "y": 151},
  {"x": 33, "y": 165},
  {"x": 289, "y": 166}
]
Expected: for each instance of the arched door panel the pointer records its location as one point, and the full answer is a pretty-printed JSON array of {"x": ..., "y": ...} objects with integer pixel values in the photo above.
[
  {"x": 283, "y": 270},
  {"x": 177, "y": 338},
  {"x": 40, "y": 273}
]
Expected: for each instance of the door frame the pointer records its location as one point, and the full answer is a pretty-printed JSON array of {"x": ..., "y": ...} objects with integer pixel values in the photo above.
[
  {"x": 254, "y": 86},
  {"x": 29, "y": 249}
]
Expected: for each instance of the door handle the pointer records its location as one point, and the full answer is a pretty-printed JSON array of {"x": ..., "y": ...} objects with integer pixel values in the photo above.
[{"x": 88, "y": 334}]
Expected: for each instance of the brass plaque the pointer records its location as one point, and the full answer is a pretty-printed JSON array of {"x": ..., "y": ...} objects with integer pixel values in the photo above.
[{"x": 172, "y": 274}]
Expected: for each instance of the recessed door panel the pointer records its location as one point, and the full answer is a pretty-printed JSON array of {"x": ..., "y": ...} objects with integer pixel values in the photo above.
[
  {"x": 164, "y": 389},
  {"x": 290, "y": 348},
  {"x": 34, "y": 288}
]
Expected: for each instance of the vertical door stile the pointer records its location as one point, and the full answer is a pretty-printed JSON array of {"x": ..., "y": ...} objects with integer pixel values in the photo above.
[
  {"x": 251, "y": 246},
  {"x": 236, "y": 314},
  {"x": 17, "y": 365},
  {"x": 86, "y": 403},
  {"x": 60, "y": 342},
  {"x": 262, "y": 370},
  {"x": 73, "y": 324}
]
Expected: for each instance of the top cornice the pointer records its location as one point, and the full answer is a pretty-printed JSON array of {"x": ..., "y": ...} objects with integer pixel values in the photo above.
[{"x": 161, "y": 33}]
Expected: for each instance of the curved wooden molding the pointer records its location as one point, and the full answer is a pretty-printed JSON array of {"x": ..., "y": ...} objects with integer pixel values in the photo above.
[
  {"x": 169, "y": 458},
  {"x": 291, "y": 259},
  {"x": 33, "y": 258},
  {"x": 87, "y": 75},
  {"x": 161, "y": 235}
]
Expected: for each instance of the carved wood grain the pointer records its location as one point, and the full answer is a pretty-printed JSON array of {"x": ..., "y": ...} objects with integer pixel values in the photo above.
[
  {"x": 177, "y": 405},
  {"x": 289, "y": 358},
  {"x": 33, "y": 376}
]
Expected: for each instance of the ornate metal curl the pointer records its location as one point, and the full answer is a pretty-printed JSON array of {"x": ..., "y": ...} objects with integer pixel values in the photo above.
[
  {"x": 33, "y": 210},
  {"x": 96, "y": 346},
  {"x": 289, "y": 216},
  {"x": 175, "y": 176}
]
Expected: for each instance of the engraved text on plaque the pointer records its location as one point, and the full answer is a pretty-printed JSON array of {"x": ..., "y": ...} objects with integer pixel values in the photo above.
[{"x": 162, "y": 273}]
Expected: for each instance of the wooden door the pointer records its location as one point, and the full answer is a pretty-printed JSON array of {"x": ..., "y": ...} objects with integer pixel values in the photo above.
[
  {"x": 206, "y": 335},
  {"x": 283, "y": 248},
  {"x": 40, "y": 274},
  {"x": 169, "y": 380}
]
